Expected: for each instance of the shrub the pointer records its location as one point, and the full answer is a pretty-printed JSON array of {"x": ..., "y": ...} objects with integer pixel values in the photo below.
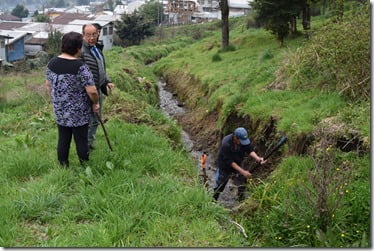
[{"x": 216, "y": 57}]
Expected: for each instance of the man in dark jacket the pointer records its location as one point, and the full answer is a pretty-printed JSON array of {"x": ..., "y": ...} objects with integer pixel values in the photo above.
[
  {"x": 99, "y": 43},
  {"x": 95, "y": 60},
  {"x": 233, "y": 149}
]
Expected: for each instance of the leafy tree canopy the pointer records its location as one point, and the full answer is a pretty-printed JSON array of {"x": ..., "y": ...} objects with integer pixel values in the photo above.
[
  {"x": 133, "y": 28},
  {"x": 54, "y": 43},
  {"x": 20, "y": 11},
  {"x": 277, "y": 15},
  {"x": 41, "y": 18},
  {"x": 152, "y": 11}
]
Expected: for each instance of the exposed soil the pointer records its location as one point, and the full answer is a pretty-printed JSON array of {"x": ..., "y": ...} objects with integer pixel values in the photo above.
[{"x": 200, "y": 135}]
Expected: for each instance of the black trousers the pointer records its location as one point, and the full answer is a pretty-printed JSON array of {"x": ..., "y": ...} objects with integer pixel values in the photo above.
[{"x": 65, "y": 134}]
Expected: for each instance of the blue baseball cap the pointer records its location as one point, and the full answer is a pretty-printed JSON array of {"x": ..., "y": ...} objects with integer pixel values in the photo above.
[{"x": 242, "y": 135}]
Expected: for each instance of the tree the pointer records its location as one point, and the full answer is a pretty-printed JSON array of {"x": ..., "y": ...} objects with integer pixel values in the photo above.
[
  {"x": 278, "y": 16},
  {"x": 54, "y": 43},
  {"x": 20, "y": 11},
  {"x": 224, "y": 5},
  {"x": 152, "y": 11},
  {"x": 133, "y": 28},
  {"x": 42, "y": 18}
]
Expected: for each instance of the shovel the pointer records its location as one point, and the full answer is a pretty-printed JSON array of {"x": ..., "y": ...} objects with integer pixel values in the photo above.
[{"x": 105, "y": 133}]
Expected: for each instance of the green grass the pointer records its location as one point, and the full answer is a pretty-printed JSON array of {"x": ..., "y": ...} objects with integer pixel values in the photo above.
[
  {"x": 143, "y": 194},
  {"x": 282, "y": 209},
  {"x": 146, "y": 192},
  {"x": 286, "y": 213}
]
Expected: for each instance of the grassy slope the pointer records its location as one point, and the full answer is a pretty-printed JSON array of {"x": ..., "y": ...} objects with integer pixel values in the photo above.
[
  {"x": 235, "y": 85},
  {"x": 120, "y": 200},
  {"x": 144, "y": 194}
]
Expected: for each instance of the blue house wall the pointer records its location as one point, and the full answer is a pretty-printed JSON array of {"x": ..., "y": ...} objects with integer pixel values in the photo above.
[{"x": 16, "y": 50}]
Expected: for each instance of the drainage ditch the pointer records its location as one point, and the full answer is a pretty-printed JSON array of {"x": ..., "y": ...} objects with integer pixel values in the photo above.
[{"x": 174, "y": 108}]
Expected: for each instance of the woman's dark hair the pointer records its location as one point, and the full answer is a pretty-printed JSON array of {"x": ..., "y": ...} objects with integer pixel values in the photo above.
[{"x": 71, "y": 42}]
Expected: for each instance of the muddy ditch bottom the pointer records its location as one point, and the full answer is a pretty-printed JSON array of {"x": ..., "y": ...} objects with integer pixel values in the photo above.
[{"x": 173, "y": 108}]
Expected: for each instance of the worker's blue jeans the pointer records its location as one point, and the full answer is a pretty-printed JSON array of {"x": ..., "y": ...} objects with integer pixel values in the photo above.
[
  {"x": 222, "y": 178},
  {"x": 221, "y": 181}
]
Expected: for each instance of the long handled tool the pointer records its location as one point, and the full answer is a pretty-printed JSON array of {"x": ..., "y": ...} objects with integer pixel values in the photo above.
[
  {"x": 276, "y": 147},
  {"x": 105, "y": 133}
]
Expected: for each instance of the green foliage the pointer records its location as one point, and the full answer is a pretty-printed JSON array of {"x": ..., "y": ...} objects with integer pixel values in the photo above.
[
  {"x": 268, "y": 54},
  {"x": 20, "y": 11},
  {"x": 277, "y": 221},
  {"x": 276, "y": 15},
  {"x": 41, "y": 18},
  {"x": 216, "y": 57},
  {"x": 308, "y": 201},
  {"x": 152, "y": 11},
  {"x": 133, "y": 28},
  {"x": 54, "y": 43},
  {"x": 337, "y": 58},
  {"x": 118, "y": 199}
]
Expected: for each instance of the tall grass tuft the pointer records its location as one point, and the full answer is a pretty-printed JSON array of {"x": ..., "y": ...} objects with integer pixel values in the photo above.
[{"x": 337, "y": 58}]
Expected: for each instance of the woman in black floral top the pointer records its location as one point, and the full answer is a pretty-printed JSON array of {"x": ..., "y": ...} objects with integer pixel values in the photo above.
[{"x": 74, "y": 97}]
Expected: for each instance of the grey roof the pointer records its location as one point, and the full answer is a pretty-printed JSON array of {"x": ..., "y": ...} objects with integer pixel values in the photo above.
[
  {"x": 66, "y": 18},
  {"x": 37, "y": 41},
  {"x": 11, "y": 25},
  {"x": 9, "y": 17}
]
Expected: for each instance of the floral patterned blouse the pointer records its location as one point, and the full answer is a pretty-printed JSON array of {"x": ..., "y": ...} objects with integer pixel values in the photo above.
[{"x": 71, "y": 103}]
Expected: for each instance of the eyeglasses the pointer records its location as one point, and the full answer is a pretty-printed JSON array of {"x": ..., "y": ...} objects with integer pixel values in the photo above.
[{"x": 90, "y": 35}]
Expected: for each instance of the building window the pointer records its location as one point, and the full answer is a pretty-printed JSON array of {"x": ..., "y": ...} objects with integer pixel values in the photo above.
[
  {"x": 2, "y": 44},
  {"x": 105, "y": 31},
  {"x": 110, "y": 30}
]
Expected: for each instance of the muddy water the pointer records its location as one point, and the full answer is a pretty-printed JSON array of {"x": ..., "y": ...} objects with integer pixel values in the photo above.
[{"x": 173, "y": 108}]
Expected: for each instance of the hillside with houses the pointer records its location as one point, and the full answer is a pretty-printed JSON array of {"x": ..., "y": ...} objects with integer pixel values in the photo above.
[{"x": 22, "y": 38}]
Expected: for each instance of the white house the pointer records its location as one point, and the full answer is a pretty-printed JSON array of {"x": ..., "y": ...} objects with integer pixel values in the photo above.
[
  {"x": 119, "y": 10},
  {"x": 131, "y": 7},
  {"x": 238, "y": 7}
]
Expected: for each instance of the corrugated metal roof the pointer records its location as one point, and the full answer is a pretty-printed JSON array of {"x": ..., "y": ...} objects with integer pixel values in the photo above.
[
  {"x": 11, "y": 25},
  {"x": 14, "y": 34},
  {"x": 66, "y": 18},
  {"x": 37, "y": 41},
  {"x": 9, "y": 17}
]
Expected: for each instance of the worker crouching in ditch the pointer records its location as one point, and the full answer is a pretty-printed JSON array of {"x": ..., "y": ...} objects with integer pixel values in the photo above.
[{"x": 233, "y": 149}]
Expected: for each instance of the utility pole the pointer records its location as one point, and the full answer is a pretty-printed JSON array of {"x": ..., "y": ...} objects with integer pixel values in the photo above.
[{"x": 161, "y": 6}]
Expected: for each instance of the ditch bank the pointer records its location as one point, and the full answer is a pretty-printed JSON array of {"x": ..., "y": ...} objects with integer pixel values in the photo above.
[
  {"x": 202, "y": 132},
  {"x": 196, "y": 144}
]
